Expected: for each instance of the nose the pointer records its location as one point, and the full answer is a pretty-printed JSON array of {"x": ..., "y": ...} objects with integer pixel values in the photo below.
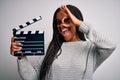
[{"x": 62, "y": 25}]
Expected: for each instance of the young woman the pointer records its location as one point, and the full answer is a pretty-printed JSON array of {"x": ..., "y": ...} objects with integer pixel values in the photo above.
[{"x": 74, "y": 53}]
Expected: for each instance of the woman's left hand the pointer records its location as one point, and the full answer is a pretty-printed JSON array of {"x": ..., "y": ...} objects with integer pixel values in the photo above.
[{"x": 76, "y": 21}]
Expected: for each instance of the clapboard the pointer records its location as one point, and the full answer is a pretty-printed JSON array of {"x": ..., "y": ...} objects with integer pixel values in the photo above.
[{"x": 32, "y": 42}]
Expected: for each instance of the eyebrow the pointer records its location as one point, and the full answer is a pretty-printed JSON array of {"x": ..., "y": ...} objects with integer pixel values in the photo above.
[{"x": 64, "y": 18}]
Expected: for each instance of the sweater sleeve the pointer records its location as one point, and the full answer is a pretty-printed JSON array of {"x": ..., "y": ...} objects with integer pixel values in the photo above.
[
  {"x": 26, "y": 70},
  {"x": 103, "y": 47}
]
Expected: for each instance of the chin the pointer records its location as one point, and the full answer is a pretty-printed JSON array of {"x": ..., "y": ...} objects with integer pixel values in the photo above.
[{"x": 67, "y": 40}]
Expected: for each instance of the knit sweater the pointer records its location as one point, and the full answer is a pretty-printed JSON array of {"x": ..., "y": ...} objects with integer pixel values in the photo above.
[{"x": 78, "y": 60}]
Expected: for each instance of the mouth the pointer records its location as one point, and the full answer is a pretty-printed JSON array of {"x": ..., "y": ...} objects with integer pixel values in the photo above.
[{"x": 65, "y": 32}]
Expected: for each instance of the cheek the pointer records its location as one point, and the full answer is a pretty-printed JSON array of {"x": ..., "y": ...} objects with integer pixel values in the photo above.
[{"x": 73, "y": 29}]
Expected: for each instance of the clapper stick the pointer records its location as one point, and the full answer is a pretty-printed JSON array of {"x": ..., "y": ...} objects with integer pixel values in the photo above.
[
  {"x": 26, "y": 24},
  {"x": 32, "y": 42}
]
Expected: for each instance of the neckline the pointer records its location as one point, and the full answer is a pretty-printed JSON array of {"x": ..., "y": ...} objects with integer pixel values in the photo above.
[{"x": 74, "y": 42}]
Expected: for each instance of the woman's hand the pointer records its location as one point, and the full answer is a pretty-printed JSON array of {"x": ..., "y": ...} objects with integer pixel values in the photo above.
[
  {"x": 15, "y": 46},
  {"x": 76, "y": 21}
]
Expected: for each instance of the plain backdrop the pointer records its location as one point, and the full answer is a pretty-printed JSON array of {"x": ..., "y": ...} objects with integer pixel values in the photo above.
[{"x": 103, "y": 15}]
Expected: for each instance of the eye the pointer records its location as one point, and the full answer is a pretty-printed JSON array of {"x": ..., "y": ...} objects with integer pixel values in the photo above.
[{"x": 67, "y": 20}]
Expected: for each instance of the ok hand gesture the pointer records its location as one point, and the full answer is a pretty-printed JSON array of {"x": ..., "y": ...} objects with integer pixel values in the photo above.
[{"x": 76, "y": 21}]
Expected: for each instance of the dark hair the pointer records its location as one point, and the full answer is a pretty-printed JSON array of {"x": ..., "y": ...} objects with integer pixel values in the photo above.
[{"x": 57, "y": 41}]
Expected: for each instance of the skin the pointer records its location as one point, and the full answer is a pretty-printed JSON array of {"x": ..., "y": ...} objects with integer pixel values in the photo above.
[
  {"x": 15, "y": 46},
  {"x": 65, "y": 20},
  {"x": 66, "y": 27}
]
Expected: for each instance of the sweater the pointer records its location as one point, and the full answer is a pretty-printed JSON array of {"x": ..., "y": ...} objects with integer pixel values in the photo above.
[{"x": 78, "y": 60}]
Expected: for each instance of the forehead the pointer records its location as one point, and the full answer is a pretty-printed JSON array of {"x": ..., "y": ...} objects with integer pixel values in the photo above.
[{"x": 61, "y": 14}]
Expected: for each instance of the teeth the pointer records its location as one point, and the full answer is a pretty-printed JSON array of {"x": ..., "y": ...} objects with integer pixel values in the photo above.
[{"x": 65, "y": 29}]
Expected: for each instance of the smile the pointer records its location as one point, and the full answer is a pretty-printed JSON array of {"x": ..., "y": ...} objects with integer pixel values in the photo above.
[{"x": 65, "y": 32}]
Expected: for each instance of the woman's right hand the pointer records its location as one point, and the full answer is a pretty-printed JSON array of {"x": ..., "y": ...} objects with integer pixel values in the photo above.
[{"x": 15, "y": 46}]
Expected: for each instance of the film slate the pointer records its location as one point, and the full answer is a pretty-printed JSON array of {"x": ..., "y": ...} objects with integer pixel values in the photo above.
[{"x": 32, "y": 42}]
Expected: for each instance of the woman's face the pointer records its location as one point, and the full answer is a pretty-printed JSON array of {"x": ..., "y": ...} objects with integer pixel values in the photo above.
[{"x": 65, "y": 27}]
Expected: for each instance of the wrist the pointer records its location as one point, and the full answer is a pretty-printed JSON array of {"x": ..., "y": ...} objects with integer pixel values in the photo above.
[
  {"x": 79, "y": 22},
  {"x": 20, "y": 57}
]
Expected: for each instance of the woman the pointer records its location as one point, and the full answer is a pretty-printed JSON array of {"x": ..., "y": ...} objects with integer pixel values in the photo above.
[{"x": 74, "y": 53}]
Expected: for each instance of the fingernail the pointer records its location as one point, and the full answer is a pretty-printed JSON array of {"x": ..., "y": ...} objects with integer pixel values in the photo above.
[
  {"x": 20, "y": 44},
  {"x": 20, "y": 48}
]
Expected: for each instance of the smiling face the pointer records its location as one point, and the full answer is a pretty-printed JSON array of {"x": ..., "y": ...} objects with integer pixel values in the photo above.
[{"x": 65, "y": 27}]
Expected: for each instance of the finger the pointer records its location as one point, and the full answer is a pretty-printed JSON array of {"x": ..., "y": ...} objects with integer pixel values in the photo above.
[
  {"x": 63, "y": 8},
  {"x": 66, "y": 10},
  {"x": 16, "y": 44},
  {"x": 12, "y": 39},
  {"x": 15, "y": 49}
]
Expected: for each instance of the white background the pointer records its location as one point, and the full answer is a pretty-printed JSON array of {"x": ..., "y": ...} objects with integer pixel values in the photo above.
[{"x": 103, "y": 15}]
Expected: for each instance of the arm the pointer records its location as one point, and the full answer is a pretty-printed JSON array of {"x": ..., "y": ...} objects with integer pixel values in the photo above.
[
  {"x": 103, "y": 46},
  {"x": 26, "y": 70}
]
